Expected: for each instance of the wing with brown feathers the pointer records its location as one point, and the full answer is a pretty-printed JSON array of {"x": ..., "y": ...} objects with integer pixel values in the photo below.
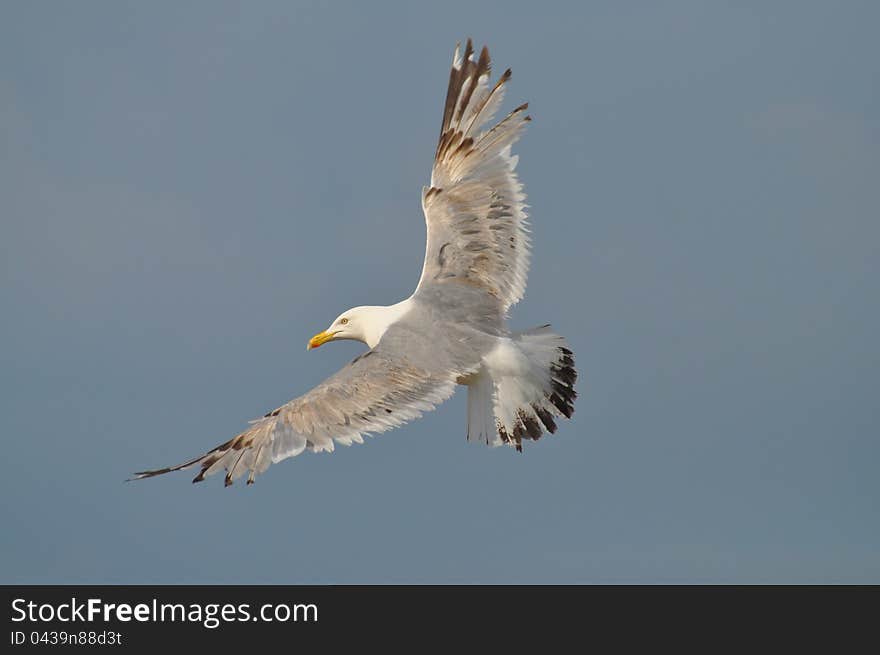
[
  {"x": 378, "y": 391},
  {"x": 474, "y": 208}
]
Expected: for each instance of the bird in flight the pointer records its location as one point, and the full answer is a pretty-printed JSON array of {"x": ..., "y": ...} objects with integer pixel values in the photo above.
[{"x": 453, "y": 329}]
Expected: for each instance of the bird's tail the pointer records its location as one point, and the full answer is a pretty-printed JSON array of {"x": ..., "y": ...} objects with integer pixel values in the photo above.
[{"x": 529, "y": 381}]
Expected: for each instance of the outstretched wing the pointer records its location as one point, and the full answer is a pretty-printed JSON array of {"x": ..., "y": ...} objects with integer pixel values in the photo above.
[
  {"x": 474, "y": 208},
  {"x": 379, "y": 390}
]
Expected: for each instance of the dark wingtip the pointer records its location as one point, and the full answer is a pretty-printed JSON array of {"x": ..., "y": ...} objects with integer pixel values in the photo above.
[
  {"x": 143, "y": 475},
  {"x": 468, "y": 51}
]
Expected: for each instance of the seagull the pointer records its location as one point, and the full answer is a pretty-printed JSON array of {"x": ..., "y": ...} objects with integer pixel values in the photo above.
[{"x": 453, "y": 329}]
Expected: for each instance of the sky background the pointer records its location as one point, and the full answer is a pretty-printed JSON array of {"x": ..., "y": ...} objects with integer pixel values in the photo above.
[{"x": 189, "y": 191}]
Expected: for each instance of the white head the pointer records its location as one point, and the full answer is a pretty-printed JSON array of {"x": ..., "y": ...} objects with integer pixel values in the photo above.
[{"x": 366, "y": 324}]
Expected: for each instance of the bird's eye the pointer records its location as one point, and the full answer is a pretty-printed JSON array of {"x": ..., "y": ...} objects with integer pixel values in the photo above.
[{"x": 343, "y": 321}]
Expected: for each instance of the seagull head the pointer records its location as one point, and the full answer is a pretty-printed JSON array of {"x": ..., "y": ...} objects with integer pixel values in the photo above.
[
  {"x": 357, "y": 323},
  {"x": 366, "y": 324},
  {"x": 345, "y": 326}
]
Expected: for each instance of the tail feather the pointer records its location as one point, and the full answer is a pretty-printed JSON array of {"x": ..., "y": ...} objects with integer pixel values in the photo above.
[
  {"x": 481, "y": 422},
  {"x": 533, "y": 376}
]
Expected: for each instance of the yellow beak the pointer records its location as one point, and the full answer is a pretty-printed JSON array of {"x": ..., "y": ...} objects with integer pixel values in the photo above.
[{"x": 320, "y": 339}]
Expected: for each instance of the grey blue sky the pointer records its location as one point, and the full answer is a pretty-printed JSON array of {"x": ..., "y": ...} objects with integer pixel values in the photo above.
[{"x": 188, "y": 191}]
